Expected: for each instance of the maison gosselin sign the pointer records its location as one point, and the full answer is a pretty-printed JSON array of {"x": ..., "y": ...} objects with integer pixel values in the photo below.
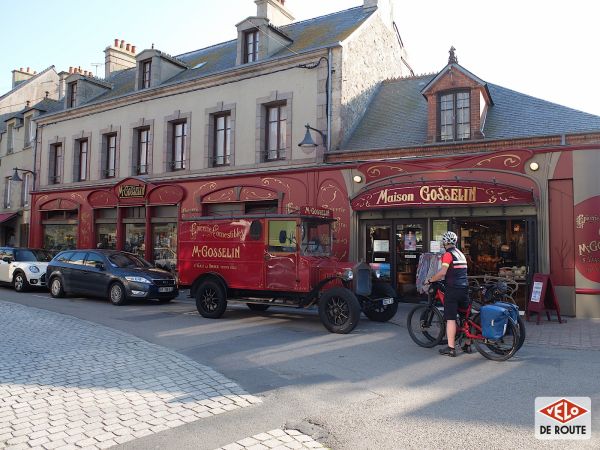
[{"x": 440, "y": 194}]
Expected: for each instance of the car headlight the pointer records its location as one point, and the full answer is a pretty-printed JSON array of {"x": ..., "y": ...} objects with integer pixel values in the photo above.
[
  {"x": 348, "y": 275},
  {"x": 377, "y": 274},
  {"x": 138, "y": 280},
  {"x": 34, "y": 269}
]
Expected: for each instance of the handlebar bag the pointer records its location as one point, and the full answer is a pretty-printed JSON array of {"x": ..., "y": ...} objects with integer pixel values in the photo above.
[{"x": 493, "y": 321}]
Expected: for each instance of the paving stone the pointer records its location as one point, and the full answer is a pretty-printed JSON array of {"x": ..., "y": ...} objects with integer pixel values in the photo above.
[{"x": 247, "y": 442}]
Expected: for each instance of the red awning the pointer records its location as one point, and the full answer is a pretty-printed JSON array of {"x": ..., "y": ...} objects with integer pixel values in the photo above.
[{"x": 6, "y": 216}]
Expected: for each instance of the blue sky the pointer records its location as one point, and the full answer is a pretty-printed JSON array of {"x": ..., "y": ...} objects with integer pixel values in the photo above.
[{"x": 542, "y": 48}]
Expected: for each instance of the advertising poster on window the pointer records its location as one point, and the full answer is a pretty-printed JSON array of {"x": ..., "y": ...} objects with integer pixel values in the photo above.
[{"x": 410, "y": 241}]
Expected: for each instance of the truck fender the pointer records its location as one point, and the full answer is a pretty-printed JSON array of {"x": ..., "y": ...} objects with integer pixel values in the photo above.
[
  {"x": 208, "y": 276},
  {"x": 313, "y": 295}
]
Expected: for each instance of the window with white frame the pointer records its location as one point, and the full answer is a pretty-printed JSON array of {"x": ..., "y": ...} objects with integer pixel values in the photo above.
[
  {"x": 143, "y": 144},
  {"x": 26, "y": 188},
  {"x": 178, "y": 146},
  {"x": 222, "y": 144},
  {"x": 7, "y": 192},
  {"x": 275, "y": 132},
  {"x": 109, "y": 155},
  {"x": 55, "y": 164},
  {"x": 82, "y": 160},
  {"x": 10, "y": 138},
  {"x": 454, "y": 116}
]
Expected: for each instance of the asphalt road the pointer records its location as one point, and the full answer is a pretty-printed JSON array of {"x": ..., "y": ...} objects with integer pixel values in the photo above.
[{"x": 371, "y": 389}]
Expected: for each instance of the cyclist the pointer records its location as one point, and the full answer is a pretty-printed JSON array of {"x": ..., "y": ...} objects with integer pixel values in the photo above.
[{"x": 454, "y": 271}]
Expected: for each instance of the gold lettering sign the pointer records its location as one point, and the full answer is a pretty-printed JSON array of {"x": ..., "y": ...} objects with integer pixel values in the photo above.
[
  {"x": 215, "y": 252},
  {"x": 132, "y": 191}
]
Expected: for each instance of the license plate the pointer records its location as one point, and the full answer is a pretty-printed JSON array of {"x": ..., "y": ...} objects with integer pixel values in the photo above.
[
  {"x": 387, "y": 301},
  {"x": 165, "y": 289}
]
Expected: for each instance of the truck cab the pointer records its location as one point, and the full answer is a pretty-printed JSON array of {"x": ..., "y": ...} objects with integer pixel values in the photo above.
[{"x": 278, "y": 259}]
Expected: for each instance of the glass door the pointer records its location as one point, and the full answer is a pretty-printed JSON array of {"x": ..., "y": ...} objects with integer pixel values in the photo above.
[
  {"x": 378, "y": 245},
  {"x": 409, "y": 246}
]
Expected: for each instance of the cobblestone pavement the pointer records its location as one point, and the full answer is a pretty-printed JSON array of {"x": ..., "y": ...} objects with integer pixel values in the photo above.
[
  {"x": 276, "y": 440},
  {"x": 580, "y": 334},
  {"x": 69, "y": 383}
]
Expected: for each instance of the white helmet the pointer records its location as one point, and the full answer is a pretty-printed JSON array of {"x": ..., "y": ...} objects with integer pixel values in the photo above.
[{"x": 449, "y": 238}]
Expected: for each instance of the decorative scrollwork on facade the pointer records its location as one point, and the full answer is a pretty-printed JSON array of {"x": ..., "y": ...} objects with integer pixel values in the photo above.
[
  {"x": 375, "y": 171},
  {"x": 510, "y": 160}
]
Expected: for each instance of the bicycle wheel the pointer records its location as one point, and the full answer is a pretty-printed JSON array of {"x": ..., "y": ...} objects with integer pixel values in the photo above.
[
  {"x": 502, "y": 349},
  {"x": 521, "y": 327},
  {"x": 426, "y": 326}
]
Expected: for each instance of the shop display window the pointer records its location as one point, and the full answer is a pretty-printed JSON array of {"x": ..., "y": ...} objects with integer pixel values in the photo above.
[
  {"x": 164, "y": 242},
  {"x": 135, "y": 235},
  {"x": 60, "y": 237},
  {"x": 106, "y": 235}
]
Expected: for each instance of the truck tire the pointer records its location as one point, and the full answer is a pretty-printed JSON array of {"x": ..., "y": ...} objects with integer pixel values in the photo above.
[
  {"x": 257, "y": 306},
  {"x": 339, "y": 310},
  {"x": 210, "y": 299},
  {"x": 382, "y": 313}
]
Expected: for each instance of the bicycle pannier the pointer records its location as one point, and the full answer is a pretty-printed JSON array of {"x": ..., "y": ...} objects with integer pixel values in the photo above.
[{"x": 493, "y": 321}]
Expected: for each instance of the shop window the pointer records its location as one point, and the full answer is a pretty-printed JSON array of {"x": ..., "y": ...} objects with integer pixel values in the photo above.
[
  {"x": 135, "y": 213},
  {"x": 106, "y": 235},
  {"x": 164, "y": 242},
  {"x": 106, "y": 213},
  {"x": 60, "y": 236},
  {"x": 282, "y": 236},
  {"x": 135, "y": 236}
]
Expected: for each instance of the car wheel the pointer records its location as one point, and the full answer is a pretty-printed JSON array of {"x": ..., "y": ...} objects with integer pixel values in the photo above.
[
  {"x": 339, "y": 310},
  {"x": 382, "y": 313},
  {"x": 20, "y": 282},
  {"x": 117, "y": 295},
  {"x": 211, "y": 301},
  {"x": 56, "y": 288},
  {"x": 257, "y": 306}
]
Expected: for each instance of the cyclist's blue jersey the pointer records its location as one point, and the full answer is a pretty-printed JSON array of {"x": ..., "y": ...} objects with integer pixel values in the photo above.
[{"x": 456, "y": 276}]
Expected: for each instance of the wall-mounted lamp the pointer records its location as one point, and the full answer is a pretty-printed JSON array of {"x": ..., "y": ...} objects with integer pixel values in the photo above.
[
  {"x": 16, "y": 177},
  {"x": 308, "y": 140},
  {"x": 357, "y": 179},
  {"x": 534, "y": 166}
]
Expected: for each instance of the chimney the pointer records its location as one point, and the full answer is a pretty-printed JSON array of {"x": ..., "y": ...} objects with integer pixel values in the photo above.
[
  {"x": 62, "y": 82},
  {"x": 385, "y": 9},
  {"x": 119, "y": 56},
  {"x": 20, "y": 75},
  {"x": 275, "y": 11}
]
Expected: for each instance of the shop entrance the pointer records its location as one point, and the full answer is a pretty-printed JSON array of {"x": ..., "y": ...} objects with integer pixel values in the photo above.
[{"x": 393, "y": 249}]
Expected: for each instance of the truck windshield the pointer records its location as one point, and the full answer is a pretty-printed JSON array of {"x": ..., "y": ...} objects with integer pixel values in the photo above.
[{"x": 316, "y": 238}]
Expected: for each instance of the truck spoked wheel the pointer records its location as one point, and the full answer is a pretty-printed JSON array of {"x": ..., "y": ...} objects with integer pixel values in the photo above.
[
  {"x": 339, "y": 310},
  {"x": 382, "y": 313},
  {"x": 210, "y": 300}
]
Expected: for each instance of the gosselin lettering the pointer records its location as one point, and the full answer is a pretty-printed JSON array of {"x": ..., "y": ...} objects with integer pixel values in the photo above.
[
  {"x": 430, "y": 194},
  {"x": 592, "y": 246},
  {"x": 132, "y": 191},
  {"x": 215, "y": 252}
]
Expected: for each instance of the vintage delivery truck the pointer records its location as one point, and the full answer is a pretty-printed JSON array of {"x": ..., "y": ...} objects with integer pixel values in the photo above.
[{"x": 278, "y": 259}]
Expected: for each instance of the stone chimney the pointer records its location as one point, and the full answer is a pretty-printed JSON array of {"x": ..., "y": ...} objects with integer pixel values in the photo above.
[
  {"x": 385, "y": 9},
  {"x": 119, "y": 56},
  {"x": 275, "y": 11},
  {"x": 20, "y": 75}
]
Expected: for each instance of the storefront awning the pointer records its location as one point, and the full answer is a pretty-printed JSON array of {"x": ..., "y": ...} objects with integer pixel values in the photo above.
[{"x": 6, "y": 216}]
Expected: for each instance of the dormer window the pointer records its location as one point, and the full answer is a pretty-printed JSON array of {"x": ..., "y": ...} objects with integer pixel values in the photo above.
[
  {"x": 454, "y": 116},
  {"x": 72, "y": 94},
  {"x": 146, "y": 72},
  {"x": 251, "y": 45}
]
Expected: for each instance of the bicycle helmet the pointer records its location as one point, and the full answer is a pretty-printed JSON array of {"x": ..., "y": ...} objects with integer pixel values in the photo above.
[{"x": 449, "y": 238}]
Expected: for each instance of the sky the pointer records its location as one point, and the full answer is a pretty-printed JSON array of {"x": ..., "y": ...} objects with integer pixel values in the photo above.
[{"x": 546, "y": 49}]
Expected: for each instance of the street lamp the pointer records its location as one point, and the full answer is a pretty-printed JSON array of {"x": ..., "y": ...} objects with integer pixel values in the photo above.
[
  {"x": 16, "y": 177},
  {"x": 308, "y": 141}
]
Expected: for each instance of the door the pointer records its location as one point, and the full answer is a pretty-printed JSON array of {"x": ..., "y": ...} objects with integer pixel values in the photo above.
[
  {"x": 74, "y": 273},
  {"x": 96, "y": 280},
  {"x": 281, "y": 256},
  {"x": 409, "y": 246},
  {"x": 379, "y": 242}
]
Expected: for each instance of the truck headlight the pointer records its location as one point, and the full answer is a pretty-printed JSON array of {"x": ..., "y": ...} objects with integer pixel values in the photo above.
[
  {"x": 377, "y": 273},
  {"x": 348, "y": 275},
  {"x": 34, "y": 269},
  {"x": 138, "y": 280}
]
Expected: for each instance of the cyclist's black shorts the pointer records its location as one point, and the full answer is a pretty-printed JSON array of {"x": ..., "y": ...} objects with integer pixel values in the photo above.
[{"x": 453, "y": 298}]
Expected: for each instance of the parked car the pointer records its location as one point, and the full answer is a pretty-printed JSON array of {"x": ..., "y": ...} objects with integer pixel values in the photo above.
[
  {"x": 118, "y": 275},
  {"x": 23, "y": 267}
]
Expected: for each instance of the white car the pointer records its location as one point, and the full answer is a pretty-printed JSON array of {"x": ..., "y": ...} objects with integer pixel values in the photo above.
[{"x": 23, "y": 267}]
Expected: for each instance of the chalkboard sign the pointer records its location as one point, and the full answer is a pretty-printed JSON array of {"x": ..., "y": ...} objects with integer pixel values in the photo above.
[{"x": 543, "y": 298}]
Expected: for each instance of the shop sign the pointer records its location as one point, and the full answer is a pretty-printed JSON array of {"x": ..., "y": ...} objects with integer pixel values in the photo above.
[
  {"x": 587, "y": 238},
  {"x": 132, "y": 191},
  {"x": 318, "y": 212},
  {"x": 437, "y": 194}
]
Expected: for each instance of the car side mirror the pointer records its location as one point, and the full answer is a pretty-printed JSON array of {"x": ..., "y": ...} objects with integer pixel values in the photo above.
[
  {"x": 99, "y": 266},
  {"x": 7, "y": 259}
]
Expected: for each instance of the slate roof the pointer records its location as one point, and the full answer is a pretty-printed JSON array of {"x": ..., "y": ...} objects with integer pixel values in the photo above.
[
  {"x": 319, "y": 32},
  {"x": 397, "y": 117},
  {"x": 46, "y": 105},
  {"x": 26, "y": 82}
]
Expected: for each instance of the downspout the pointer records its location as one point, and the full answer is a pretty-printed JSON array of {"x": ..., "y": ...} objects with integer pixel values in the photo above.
[{"x": 329, "y": 98}]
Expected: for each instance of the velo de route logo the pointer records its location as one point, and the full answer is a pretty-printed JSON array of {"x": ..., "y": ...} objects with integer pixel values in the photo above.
[{"x": 563, "y": 418}]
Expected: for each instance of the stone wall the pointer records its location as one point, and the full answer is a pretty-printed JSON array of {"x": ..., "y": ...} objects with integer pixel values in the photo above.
[{"x": 370, "y": 56}]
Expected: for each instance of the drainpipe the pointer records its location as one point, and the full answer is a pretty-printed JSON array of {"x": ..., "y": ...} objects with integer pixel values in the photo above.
[{"x": 330, "y": 98}]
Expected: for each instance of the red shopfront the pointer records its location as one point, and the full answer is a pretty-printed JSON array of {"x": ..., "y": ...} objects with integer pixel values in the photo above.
[{"x": 489, "y": 202}]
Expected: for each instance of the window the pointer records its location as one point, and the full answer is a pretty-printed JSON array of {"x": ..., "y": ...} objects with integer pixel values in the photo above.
[
  {"x": 276, "y": 132},
  {"x": 27, "y": 131},
  {"x": 143, "y": 136},
  {"x": 282, "y": 236},
  {"x": 454, "y": 116},
  {"x": 78, "y": 258},
  {"x": 30, "y": 131},
  {"x": 251, "y": 46},
  {"x": 82, "y": 159},
  {"x": 222, "y": 144},
  {"x": 56, "y": 164},
  {"x": 178, "y": 145},
  {"x": 25, "y": 188},
  {"x": 10, "y": 139},
  {"x": 7, "y": 192},
  {"x": 72, "y": 95},
  {"x": 109, "y": 156},
  {"x": 146, "y": 73},
  {"x": 94, "y": 259}
]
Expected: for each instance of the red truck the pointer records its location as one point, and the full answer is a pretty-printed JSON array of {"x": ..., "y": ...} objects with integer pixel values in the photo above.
[{"x": 278, "y": 259}]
